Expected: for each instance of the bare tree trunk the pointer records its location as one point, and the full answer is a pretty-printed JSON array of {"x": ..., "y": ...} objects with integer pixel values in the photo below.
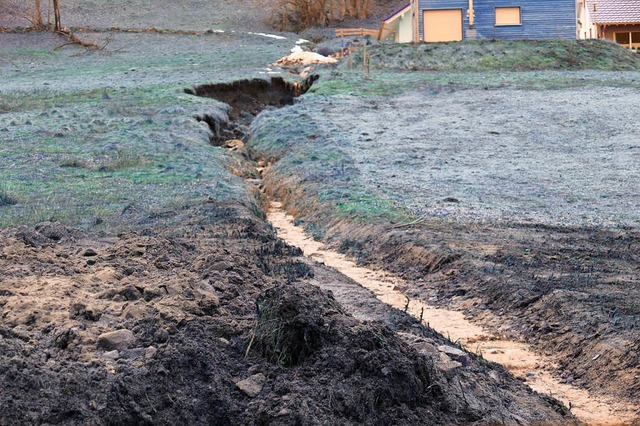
[
  {"x": 56, "y": 14},
  {"x": 37, "y": 16}
]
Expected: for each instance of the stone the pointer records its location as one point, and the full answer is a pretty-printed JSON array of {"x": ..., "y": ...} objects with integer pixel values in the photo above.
[
  {"x": 150, "y": 352},
  {"x": 116, "y": 340},
  {"x": 133, "y": 354},
  {"x": 161, "y": 336},
  {"x": 134, "y": 311},
  {"x": 207, "y": 298},
  {"x": 447, "y": 366},
  {"x": 235, "y": 145},
  {"x": 90, "y": 253},
  {"x": 150, "y": 294},
  {"x": 283, "y": 412},
  {"x": 455, "y": 354},
  {"x": 21, "y": 332},
  {"x": 129, "y": 293},
  {"x": 252, "y": 386},
  {"x": 111, "y": 355},
  {"x": 221, "y": 266}
]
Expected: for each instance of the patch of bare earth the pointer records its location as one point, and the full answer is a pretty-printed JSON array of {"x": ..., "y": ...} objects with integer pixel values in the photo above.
[
  {"x": 518, "y": 357},
  {"x": 217, "y": 321}
]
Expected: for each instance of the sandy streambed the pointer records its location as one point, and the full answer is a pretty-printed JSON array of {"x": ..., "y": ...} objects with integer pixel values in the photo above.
[{"x": 518, "y": 357}]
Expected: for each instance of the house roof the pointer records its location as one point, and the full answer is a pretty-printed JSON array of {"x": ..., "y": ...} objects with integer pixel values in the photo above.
[
  {"x": 615, "y": 11},
  {"x": 395, "y": 15}
]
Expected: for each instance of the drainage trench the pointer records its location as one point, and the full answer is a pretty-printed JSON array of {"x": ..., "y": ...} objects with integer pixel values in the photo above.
[{"x": 247, "y": 98}]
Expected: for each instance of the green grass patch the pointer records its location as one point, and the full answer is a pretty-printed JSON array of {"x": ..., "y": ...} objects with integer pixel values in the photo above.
[
  {"x": 109, "y": 163},
  {"x": 363, "y": 206}
]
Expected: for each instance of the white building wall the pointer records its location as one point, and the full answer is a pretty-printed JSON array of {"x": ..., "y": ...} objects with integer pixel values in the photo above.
[
  {"x": 405, "y": 30},
  {"x": 586, "y": 28}
]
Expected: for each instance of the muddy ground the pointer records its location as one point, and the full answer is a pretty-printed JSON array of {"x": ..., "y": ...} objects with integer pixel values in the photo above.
[
  {"x": 225, "y": 325},
  {"x": 517, "y": 201}
]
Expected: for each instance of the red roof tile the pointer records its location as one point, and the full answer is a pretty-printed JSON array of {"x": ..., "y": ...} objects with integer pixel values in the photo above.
[{"x": 615, "y": 11}]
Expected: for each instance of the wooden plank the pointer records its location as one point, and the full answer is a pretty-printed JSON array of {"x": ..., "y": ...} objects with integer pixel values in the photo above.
[{"x": 350, "y": 32}]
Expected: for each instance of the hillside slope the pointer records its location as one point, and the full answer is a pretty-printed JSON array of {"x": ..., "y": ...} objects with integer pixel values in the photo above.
[{"x": 506, "y": 55}]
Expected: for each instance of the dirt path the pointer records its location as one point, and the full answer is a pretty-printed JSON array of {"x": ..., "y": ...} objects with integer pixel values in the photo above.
[{"x": 518, "y": 357}]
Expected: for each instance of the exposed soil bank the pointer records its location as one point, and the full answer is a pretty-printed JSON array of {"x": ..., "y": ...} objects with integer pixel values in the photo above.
[
  {"x": 246, "y": 99},
  {"x": 517, "y": 357}
]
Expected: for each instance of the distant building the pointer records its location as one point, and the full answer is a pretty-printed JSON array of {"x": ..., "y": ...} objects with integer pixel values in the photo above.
[
  {"x": 455, "y": 20},
  {"x": 398, "y": 26},
  {"x": 615, "y": 20}
]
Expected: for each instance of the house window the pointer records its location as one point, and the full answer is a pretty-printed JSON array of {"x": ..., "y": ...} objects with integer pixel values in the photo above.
[
  {"x": 623, "y": 38},
  {"x": 630, "y": 39},
  {"x": 508, "y": 16}
]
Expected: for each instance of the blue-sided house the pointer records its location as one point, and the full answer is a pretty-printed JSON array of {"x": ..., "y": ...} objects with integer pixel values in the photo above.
[{"x": 455, "y": 20}]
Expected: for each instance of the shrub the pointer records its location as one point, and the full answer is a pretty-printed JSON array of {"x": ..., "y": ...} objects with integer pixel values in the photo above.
[
  {"x": 6, "y": 197},
  {"x": 297, "y": 15}
]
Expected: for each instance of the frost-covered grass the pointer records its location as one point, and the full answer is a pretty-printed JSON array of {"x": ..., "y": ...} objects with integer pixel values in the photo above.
[
  {"x": 107, "y": 140},
  {"x": 504, "y": 55}
]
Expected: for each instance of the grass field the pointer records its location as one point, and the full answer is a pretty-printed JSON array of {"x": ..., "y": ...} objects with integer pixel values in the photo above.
[{"x": 108, "y": 140}]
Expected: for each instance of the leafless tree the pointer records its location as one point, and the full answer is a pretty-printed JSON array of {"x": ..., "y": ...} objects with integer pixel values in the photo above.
[
  {"x": 300, "y": 14},
  {"x": 56, "y": 13},
  {"x": 33, "y": 12}
]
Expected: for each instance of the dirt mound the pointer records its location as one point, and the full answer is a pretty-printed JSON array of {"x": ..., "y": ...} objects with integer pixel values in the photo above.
[
  {"x": 46, "y": 233},
  {"x": 151, "y": 328},
  {"x": 371, "y": 374},
  {"x": 290, "y": 325},
  {"x": 304, "y": 58},
  {"x": 519, "y": 55}
]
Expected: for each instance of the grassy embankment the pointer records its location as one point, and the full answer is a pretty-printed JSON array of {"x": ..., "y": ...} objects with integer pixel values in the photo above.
[
  {"x": 311, "y": 160},
  {"x": 107, "y": 141}
]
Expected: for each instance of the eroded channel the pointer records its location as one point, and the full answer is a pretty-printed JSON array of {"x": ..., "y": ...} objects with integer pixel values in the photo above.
[
  {"x": 247, "y": 98},
  {"x": 517, "y": 357}
]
